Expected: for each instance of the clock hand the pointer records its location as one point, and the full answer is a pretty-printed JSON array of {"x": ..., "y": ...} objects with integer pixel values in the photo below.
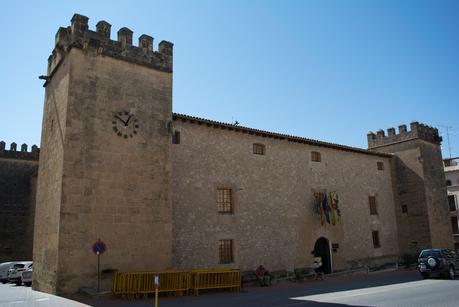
[
  {"x": 129, "y": 118},
  {"x": 116, "y": 116}
]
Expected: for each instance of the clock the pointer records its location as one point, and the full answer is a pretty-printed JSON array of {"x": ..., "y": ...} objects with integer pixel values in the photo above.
[{"x": 125, "y": 124}]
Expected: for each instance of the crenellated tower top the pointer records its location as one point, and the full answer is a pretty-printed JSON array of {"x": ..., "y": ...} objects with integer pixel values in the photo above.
[
  {"x": 417, "y": 131},
  {"x": 22, "y": 154},
  {"x": 78, "y": 35}
]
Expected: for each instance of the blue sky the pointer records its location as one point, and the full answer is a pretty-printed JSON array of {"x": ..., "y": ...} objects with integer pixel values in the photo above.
[{"x": 328, "y": 70}]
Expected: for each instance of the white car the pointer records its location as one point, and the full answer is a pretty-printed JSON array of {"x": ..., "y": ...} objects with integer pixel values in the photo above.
[
  {"x": 14, "y": 274},
  {"x": 26, "y": 276},
  {"x": 4, "y": 268}
]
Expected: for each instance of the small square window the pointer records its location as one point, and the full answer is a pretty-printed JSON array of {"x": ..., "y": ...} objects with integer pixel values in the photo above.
[
  {"x": 404, "y": 209},
  {"x": 224, "y": 200},
  {"x": 226, "y": 251},
  {"x": 372, "y": 202},
  {"x": 380, "y": 166},
  {"x": 376, "y": 243},
  {"x": 315, "y": 156},
  {"x": 258, "y": 149}
]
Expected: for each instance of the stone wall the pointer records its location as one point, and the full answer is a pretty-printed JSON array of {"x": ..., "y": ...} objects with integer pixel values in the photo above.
[
  {"x": 436, "y": 194},
  {"x": 419, "y": 185},
  {"x": 105, "y": 167},
  {"x": 273, "y": 221},
  {"x": 17, "y": 201}
]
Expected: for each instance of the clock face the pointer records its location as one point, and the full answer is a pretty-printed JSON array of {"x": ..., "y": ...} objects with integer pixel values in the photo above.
[{"x": 125, "y": 124}]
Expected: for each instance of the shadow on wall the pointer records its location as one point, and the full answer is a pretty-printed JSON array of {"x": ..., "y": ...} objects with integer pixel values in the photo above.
[
  {"x": 411, "y": 209},
  {"x": 17, "y": 208}
]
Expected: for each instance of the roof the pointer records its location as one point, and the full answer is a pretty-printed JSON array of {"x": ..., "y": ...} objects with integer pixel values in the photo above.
[{"x": 274, "y": 135}]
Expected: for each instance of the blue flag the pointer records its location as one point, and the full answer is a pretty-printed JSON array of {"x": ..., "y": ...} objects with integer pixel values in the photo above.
[{"x": 326, "y": 209}]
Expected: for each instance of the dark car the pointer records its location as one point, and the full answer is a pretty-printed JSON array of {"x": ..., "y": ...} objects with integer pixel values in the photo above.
[{"x": 442, "y": 262}]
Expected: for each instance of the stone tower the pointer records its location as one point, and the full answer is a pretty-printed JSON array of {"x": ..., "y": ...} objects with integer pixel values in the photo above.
[
  {"x": 419, "y": 186},
  {"x": 105, "y": 166}
]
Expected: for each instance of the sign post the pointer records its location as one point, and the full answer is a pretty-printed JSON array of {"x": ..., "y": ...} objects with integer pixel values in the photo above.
[
  {"x": 156, "y": 289},
  {"x": 98, "y": 248}
]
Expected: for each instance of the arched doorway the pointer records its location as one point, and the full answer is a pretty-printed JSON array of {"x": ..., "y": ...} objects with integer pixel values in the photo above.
[{"x": 322, "y": 249}]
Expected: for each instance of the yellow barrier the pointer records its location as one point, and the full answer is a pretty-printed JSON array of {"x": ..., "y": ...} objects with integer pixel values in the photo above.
[
  {"x": 216, "y": 278},
  {"x": 135, "y": 284}
]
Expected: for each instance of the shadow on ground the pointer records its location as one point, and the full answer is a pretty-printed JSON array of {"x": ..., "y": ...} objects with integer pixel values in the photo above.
[{"x": 274, "y": 296}]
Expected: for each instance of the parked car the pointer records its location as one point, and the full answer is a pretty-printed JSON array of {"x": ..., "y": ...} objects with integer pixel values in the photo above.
[
  {"x": 14, "y": 274},
  {"x": 4, "y": 268},
  {"x": 26, "y": 276},
  {"x": 442, "y": 262}
]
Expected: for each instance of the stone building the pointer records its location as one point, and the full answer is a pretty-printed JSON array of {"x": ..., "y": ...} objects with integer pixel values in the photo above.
[
  {"x": 18, "y": 175},
  {"x": 452, "y": 185},
  {"x": 166, "y": 190}
]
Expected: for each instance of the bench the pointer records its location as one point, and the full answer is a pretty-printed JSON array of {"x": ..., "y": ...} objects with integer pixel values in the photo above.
[
  {"x": 282, "y": 275},
  {"x": 249, "y": 277},
  {"x": 304, "y": 273}
]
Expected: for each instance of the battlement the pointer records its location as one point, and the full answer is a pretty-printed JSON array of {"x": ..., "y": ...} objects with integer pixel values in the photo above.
[
  {"x": 417, "y": 131},
  {"x": 78, "y": 35},
  {"x": 23, "y": 154}
]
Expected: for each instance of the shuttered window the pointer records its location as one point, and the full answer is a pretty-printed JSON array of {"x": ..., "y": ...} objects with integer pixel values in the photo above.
[
  {"x": 224, "y": 200},
  {"x": 226, "y": 251}
]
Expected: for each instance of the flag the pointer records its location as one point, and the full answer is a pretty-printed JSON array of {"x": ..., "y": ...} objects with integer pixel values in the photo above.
[
  {"x": 332, "y": 208},
  {"x": 326, "y": 209},
  {"x": 335, "y": 202},
  {"x": 322, "y": 212}
]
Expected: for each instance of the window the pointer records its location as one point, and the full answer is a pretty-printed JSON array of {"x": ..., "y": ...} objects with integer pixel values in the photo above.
[
  {"x": 430, "y": 253},
  {"x": 176, "y": 137},
  {"x": 258, "y": 149},
  {"x": 315, "y": 156},
  {"x": 376, "y": 243},
  {"x": 226, "y": 251},
  {"x": 380, "y": 166},
  {"x": 372, "y": 202},
  {"x": 404, "y": 209},
  {"x": 451, "y": 203},
  {"x": 448, "y": 183},
  {"x": 224, "y": 200},
  {"x": 454, "y": 225}
]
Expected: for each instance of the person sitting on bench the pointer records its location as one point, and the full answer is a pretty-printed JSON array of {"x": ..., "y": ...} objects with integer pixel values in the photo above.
[{"x": 263, "y": 276}]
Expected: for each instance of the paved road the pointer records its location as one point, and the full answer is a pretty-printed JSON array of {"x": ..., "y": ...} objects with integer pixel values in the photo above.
[
  {"x": 416, "y": 293},
  {"x": 14, "y": 296},
  {"x": 400, "y": 288}
]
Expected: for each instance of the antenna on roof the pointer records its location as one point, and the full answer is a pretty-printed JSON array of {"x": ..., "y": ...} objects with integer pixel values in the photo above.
[
  {"x": 234, "y": 122},
  {"x": 447, "y": 137}
]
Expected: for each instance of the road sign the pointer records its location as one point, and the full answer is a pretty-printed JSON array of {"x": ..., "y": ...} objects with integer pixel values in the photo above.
[{"x": 99, "y": 247}]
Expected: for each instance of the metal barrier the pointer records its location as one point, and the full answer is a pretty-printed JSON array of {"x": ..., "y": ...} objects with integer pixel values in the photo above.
[
  {"x": 215, "y": 279},
  {"x": 136, "y": 284},
  {"x": 133, "y": 285}
]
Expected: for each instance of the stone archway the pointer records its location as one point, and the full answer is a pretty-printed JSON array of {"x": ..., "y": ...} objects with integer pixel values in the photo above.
[{"x": 322, "y": 249}]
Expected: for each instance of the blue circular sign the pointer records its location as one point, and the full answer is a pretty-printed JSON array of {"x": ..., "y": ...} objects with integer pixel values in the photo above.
[{"x": 99, "y": 247}]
